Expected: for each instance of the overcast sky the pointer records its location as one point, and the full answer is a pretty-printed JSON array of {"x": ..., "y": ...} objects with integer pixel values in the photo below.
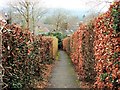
[{"x": 68, "y": 4}]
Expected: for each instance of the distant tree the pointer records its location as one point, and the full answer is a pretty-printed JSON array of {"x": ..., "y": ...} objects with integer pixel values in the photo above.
[
  {"x": 90, "y": 17},
  {"x": 97, "y": 7},
  {"x": 30, "y": 11},
  {"x": 23, "y": 8},
  {"x": 60, "y": 20},
  {"x": 37, "y": 13},
  {"x": 57, "y": 19},
  {"x": 73, "y": 22}
]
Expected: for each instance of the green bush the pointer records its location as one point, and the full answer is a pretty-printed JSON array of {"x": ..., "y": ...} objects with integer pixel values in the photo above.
[{"x": 60, "y": 37}]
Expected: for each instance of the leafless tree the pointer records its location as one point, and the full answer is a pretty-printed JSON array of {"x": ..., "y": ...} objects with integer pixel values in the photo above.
[
  {"x": 31, "y": 11},
  {"x": 98, "y": 5},
  {"x": 23, "y": 8},
  {"x": 36, "y": 13},
  {"x": 61, "y": 20}
]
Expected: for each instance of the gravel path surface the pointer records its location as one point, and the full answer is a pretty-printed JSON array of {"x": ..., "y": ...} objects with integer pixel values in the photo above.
[{"x": 63, "y": 74}]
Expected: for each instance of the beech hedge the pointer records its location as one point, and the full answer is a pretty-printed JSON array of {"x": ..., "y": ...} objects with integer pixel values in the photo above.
[
  {"x": 95, "y": 49},
  {"x": 80, "y": 48},
  {"x": 107, "y": 48},
  {"x": 24, "y": 57}
]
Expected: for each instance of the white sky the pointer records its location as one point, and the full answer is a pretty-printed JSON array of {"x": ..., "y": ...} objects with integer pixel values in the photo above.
[
  {"x": 76, "y": 4},
  {"x": 71, "y": 4},
  {"x": 67, "y": 4}
]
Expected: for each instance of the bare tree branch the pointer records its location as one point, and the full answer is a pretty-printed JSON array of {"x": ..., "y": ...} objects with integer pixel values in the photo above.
[
  {"x": 20, "y": 11},
  {"x": 31, "y": 12}
]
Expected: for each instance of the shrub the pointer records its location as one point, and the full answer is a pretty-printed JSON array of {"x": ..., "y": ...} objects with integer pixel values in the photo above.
[
  {"x": 107, "y": 49},
  {"x": 80, "y": 48},
  {"x": 103, "y": 36},
  {"x": 24, "y": 57},
  {"x": 59, "y": 36}
]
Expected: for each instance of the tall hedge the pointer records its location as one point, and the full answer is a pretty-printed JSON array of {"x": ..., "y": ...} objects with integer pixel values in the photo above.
[
  {"x": 24, "y": 57},
  {"x": 107, "y": 48},
  {"x": 95, "y": 49},
  {"x": 80, "y": 48}
]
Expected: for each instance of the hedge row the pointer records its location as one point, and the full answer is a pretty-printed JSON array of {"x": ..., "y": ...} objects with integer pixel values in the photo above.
[
  {"x": 66, "y": 44},
  {"x": 107, "y": 48},
  {"x": 24, "y": 57},
  {"x": 95, "y": 49},
  {"x": 80, "y": 48},
  {"x": 58, "y": 35},
  {"x": 54, "y": 46}
]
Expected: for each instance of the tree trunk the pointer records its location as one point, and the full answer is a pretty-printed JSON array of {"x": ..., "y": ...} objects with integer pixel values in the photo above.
[
  {"x": 28, "y": 15},
  {"x": 33, "y": 21}
]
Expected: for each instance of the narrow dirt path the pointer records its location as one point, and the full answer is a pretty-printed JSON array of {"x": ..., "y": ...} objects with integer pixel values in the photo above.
[{"x": 63, "y": 74}]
